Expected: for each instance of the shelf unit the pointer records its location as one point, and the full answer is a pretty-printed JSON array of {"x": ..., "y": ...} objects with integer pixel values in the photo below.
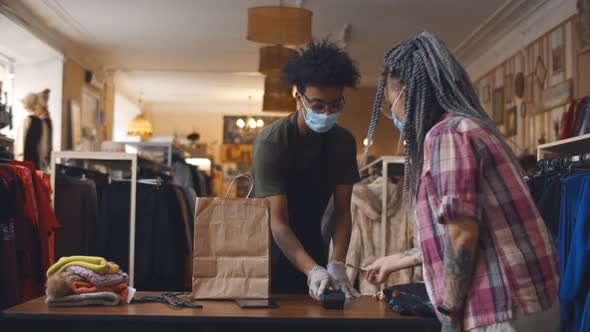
[
  {"x": 574, "y": 145},
  {"x": 155, "y": 147},
  {"x": 106, "y": 156},
  {"x": 384, "y": 164},
  {"x": 6, "y": 142}
]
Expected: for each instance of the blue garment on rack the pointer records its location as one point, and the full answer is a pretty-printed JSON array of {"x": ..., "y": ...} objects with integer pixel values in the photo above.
[
  {"x": 574, "y": 250},
  {"x": 585, "y": 324}
]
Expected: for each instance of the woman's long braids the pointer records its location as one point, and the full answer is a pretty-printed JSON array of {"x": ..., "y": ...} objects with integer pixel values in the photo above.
[{"x": 435, "y": 84}]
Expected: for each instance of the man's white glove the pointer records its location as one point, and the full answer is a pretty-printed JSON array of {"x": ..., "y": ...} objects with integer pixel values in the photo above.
[
  {"x": 318, "y": 281},
  {"x": 337, "y": 271}
]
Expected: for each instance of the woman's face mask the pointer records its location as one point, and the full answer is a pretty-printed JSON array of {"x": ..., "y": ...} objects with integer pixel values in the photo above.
[{"x": 396, "y": 121}]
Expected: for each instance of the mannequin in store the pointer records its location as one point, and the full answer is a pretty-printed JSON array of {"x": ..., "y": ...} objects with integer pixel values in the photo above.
[
  {"x": 488, "y": 260},
  {"x": 29, "y": 133},
  {"x": 45, "y": 145},
  {"x": 298, "y": 163}
]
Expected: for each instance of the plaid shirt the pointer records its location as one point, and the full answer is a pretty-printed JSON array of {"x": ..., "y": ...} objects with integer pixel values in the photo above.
[{"x": 467, "y": 174}]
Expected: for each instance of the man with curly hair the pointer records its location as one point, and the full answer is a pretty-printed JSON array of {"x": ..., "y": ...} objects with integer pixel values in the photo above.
[{"x": 299, "y": 163}]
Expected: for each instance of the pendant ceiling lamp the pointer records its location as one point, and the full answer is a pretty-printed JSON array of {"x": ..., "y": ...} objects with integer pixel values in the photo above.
[
  {"x": 279, "y": 25},
  {"x": 274, "y": 58},
  {"x": 278, "y": 97},
  {"x": 140, "y": 126}
]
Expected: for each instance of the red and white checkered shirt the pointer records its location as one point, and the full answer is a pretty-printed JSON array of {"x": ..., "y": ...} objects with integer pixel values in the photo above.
[{"x": 467, "y": 174}]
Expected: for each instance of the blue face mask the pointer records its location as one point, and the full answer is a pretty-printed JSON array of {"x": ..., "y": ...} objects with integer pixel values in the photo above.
[
  {"x": 397, "y": 122},
  {"x": 320, "y": 123}
]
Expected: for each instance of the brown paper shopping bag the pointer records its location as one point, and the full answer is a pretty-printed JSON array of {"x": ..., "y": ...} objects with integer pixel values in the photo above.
[{"x": 232, "y": 248}]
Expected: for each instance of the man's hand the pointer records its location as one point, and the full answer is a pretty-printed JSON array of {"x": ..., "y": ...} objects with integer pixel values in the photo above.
[
  {"x": 318, "y": 281},
  {"x": 338, "y": 272}
]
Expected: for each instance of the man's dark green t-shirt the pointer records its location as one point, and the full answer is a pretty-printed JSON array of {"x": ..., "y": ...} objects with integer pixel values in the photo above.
[{"x": 307, "y": 170}]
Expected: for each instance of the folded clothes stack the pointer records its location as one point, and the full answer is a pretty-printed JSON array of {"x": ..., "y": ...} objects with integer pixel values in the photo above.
[{"x": 85, "y": 281}]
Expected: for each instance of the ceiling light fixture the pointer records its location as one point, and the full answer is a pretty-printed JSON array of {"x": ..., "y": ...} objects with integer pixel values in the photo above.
[
  {"x": 279, "y": 25},
  {"x": 274, "y": 58},
  {"x": 252, "y": 123},
  {"x": 240, "y": 123},
  {"x": 260, "y": 123},
  {"x": 278, "y": 97}
]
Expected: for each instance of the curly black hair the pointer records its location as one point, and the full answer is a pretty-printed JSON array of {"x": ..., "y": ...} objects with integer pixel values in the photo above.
[{"x": 321, "y": 63}]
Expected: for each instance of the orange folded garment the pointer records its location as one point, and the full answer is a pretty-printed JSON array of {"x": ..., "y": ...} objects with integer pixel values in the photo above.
[{"x": 83, "y": 287}]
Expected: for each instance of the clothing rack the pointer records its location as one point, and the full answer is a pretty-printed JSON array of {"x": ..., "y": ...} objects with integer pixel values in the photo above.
[
  {"x": 383, "y": 164},
  {"x": 563, "y": 163},
  {"x": 106, "y": 156},
  {"x": 165, "y": 148}
]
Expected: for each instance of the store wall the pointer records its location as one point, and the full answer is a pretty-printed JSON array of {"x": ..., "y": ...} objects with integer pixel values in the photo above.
[
  {"x": 356, "y": 117},
  {"x": 73, "y": 85},
  {"x": 529, "y": 44},
  {"x": 35, "y": 78},
  {"x": 208, "y": 125},
  {"x": 528, "y": 31},
  {"x": 533, "y": 27}
]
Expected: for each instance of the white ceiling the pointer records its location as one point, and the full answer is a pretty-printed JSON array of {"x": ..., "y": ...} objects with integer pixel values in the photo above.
[
  {"x": 20, "y": 47},
  {"x": 190, "y": 50}
]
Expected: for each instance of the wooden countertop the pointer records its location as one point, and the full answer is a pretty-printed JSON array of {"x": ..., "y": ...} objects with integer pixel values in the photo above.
[
  {"x": 291, "y": 306},
  {"x": 296, "y": 313}
]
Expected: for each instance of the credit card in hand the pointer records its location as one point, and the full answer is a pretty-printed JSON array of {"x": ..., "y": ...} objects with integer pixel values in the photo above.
[{"x": 357, "y": 268}]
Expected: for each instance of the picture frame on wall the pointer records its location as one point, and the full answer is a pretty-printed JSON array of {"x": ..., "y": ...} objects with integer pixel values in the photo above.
[
  {"x": 519, "y": 85},
  {"x": 511, "y": 122},
  {"x": 508, "y": 88},
  {"x": 530, "y": 83},
  {"x": 498, "y": 106},
  {"x": 557, "y": 59},
  {"x": 485, "y": 97},
  {"x": 583, "y": 26}
]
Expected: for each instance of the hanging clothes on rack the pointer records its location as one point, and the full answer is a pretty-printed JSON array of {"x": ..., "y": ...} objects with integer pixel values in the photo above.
[
  {"x": 566, "y": 182},
  {"x": 366, "y": 232},
  {"x": 576, "y": 121},
  {"x": 160, "y": 245},
  {"x": 27, "y": 223},
  {"x": 76, "y": 205}
]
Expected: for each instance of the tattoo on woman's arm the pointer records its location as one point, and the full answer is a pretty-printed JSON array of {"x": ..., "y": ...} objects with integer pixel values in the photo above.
[
  {"x": 408, "y": 253},
  {"x": 458, "y": 272}
]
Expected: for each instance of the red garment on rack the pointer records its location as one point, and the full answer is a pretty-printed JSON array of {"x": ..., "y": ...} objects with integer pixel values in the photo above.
[
  {"x": 47, "y": 221},
  {"x": 30, "y": 276},
  {"x": 569, "y": 120}
]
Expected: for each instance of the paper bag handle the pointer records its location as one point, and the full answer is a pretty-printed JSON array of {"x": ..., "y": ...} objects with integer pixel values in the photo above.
[{"x": 243, "y": 175}]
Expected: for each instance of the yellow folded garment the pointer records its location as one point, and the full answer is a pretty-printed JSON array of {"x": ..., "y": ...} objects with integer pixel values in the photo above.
[{"x": 96, "y": 264}]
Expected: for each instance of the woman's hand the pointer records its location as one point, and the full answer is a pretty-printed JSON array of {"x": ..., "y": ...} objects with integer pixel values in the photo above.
[{"x": 378, "y": 272}]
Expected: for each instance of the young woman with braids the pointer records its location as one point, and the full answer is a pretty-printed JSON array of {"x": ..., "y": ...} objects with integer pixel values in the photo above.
[{"x": 488, "y": 260}]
